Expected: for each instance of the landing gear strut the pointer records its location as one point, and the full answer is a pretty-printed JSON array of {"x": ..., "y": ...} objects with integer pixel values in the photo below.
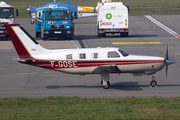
[
  {"x": 153, "y": 83},
  {"x": 105, "y": 80}
]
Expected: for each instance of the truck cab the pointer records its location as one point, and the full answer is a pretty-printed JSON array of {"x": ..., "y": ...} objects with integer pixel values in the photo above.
[
  {"x": 6, "y": 17},
  {"x": 55, "y": 22}
]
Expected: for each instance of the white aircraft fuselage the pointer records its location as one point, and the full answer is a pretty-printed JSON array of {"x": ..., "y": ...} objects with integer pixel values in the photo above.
[{"x": 82, "y": 61}]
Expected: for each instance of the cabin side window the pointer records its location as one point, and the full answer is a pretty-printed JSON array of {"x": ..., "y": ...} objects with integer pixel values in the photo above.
[
  {"x": 95, "y": 55},
  {"x": 82, "y": 56},
  {"x": 113, "y": 54},
  {"x": 69, "y": 56}
]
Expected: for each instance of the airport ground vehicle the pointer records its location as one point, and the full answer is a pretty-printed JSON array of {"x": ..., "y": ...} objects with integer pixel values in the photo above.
[
  {"x": 6, "y": 17},
  {"x": 112, "y": 18},
  {"x": 54, "y": 22}
]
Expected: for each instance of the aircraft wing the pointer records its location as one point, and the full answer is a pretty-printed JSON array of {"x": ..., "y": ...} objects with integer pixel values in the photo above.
[
  {"x": 110, "y": 69},
  {"x": 84, "y": 11}
]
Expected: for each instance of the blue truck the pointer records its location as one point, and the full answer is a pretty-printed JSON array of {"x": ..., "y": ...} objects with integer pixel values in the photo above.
[{"x": 55, "y": 22}]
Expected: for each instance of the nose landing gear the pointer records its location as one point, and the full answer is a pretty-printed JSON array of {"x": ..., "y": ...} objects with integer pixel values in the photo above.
[{"x": 153, "y": 83}]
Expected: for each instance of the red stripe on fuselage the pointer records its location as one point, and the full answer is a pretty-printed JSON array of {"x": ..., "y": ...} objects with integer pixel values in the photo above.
[{"x": 61, "y": 64}]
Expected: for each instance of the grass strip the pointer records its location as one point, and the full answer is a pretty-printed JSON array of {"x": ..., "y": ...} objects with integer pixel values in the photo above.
[
  {"x": 137, "y": 7},
  {"x": 89, "y": 108}
]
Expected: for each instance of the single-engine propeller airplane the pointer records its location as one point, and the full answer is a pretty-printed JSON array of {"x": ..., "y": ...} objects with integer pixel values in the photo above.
[{"x": 103, "y": 61}]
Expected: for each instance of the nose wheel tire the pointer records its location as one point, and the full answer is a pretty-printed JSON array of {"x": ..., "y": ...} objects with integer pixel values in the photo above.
[{"x": 153, "y": 83}]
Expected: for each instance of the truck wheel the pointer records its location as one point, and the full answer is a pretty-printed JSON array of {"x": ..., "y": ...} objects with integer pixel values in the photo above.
[
  {"x": 6, "y": 37},
  {"x": 124, "y": 34},
  {"x": 70, "y": 38},
  {"x": 104, "y": 34},
  {"x": 44, "y": 38},
  {"x": 99, "y": 35},
  {"x": 38, "y": 34}
]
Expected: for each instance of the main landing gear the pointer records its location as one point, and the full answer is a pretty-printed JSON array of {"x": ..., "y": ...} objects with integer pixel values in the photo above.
[
  {"x": 153, "y": 83},
  {"x": 105, "y": 80},
  {"x": 106, "y": 84}
]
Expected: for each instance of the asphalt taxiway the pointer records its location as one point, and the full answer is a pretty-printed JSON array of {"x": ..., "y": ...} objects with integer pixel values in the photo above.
[{"x": 146, "y": 37}]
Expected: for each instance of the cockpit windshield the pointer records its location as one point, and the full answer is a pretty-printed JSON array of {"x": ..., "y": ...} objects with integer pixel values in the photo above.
[
  {"x": 123, "y": 53},
  {"x": 6, "y": 12},
  {"x": 57, "y": 15}
]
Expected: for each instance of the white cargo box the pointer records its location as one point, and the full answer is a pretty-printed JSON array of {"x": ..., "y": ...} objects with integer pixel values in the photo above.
[{"x": 112, "y": 18}]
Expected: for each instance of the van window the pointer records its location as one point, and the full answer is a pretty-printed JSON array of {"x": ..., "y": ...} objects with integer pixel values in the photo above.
[
  {"x": 82, "y": 56},
  {"x": 113, "y": 54},
  {"x": 69, "y": 56},
  {"x": 95, "y": 55}
]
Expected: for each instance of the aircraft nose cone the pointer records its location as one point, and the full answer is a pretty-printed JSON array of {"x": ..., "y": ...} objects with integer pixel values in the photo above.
[{"x": 169, "y": 61}]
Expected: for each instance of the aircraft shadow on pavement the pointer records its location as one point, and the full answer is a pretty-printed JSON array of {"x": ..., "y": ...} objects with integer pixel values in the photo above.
[{"x": 125, "y": 86}]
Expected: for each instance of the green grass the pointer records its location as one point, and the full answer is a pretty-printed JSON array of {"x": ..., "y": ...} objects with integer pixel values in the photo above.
[
  {"x": 137, "y": 7},
  {"x": 89, "y": 108}
]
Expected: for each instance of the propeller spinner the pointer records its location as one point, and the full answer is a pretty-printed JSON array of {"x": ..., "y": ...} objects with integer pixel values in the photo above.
[{"x": 168, "y": 61}]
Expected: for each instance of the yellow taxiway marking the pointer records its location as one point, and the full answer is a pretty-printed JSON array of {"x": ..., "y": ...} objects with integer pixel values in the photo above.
[
  {"x": 177, "y": 54},
  {"x": 116, "y": 43},
  {"x": 25, "y": 73},
  {"x": 150, "y": 31}
]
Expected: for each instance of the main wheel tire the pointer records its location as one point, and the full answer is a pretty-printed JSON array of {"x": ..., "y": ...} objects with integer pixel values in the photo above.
[
  {"x": 153, "y": 83},
  {"x": 107, "y": 86},
  {"x": 124, "y": 34}
]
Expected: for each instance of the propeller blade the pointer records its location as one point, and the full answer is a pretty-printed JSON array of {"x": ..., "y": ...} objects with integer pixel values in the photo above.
[
  {"x": 167, "y": 57},
  {"x": 166, "y": 71},
  {"x": 166, "y": 61}
]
